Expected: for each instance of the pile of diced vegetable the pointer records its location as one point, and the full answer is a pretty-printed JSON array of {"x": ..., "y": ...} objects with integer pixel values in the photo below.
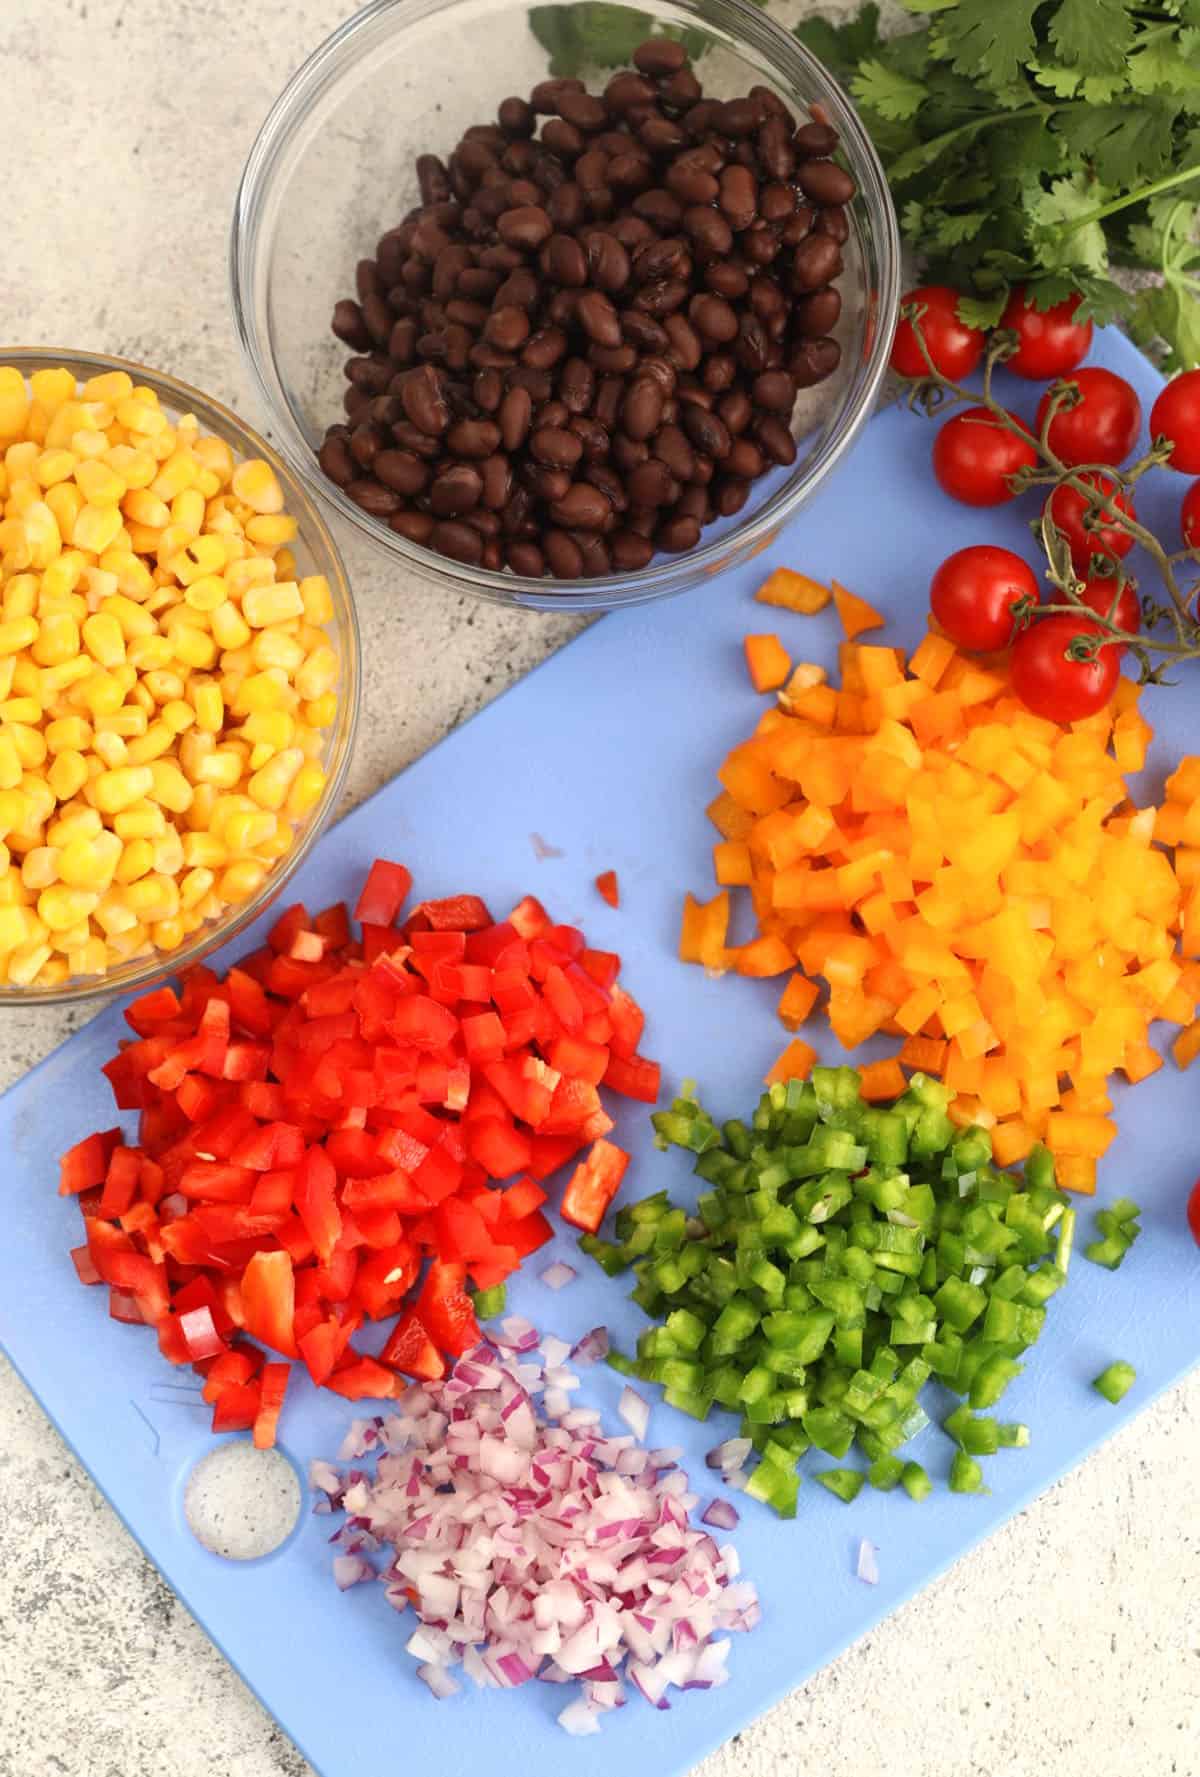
[
  {"x": 968, "y": 878},
  {"x": 842, "y": 1256},
  {"x": 336, "y": 1112}
]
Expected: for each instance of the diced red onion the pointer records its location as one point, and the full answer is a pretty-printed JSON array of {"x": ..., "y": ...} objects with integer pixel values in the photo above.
[
  {"x": 592, "y": 1347},
  {"x": 722, "y": 1514},
  {"x": 532, "y": 1545},
  {"x": 516, "y": 1334},
  {"x": 730, "y": 1455},
  {"x": 324, "y": 1476},
  {"x": 635, "y": 1411},
  {"x": 558, "y": 1275},
  {"x": 867, "y": 1567}
]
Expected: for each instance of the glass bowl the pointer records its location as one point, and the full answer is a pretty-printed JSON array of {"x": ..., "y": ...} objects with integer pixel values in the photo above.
[
  {"x": 316, "y": 553},
  {"x": 333, "y": 168}
]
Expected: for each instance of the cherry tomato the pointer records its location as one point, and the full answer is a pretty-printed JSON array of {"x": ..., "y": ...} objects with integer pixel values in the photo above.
[
  {"x": 954, "y": 348},
  {"x": 1102, "y": 427},
  {"x": 1176, "y": 415},
  {"x": 973, "y": 594},
  {"x": 1050, "y": 683},
  {"x": 1087, "y": 537},
  {"x": 1189, "y": 517},
  {"x": 974, "y": 456},
  {"x": 1099, "y": 591},
  {"x": 1050, "y": 342},
  {"x": 1193, "y": 1212}
]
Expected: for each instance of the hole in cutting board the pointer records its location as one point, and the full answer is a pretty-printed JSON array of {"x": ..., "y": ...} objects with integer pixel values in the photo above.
[{"x": 242, "y": 1503}]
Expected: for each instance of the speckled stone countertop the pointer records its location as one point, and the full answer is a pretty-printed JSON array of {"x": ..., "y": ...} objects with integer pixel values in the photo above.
[{"x": 1069, "y": 1643}]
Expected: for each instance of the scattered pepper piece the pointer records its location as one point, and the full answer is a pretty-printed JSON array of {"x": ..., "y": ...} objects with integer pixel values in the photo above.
[
  {"x": 607, "y": 888},
  {"x": 856, "y": 614},
  {"x": 791, "y": 591},
  {"x": 768, "y": 662}
]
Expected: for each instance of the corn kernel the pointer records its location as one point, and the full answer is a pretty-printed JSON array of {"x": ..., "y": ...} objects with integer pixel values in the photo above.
[
  {"x": 187, "y": 509},
  {"x": 247, "y": 830},
  {"x": 17, "y": 633},
  {"x": 109, "y": 386},
  {"x": 145, "y": 820},
  {"x": 14, "y": 402},
  {"x": 97, "y": 528},
  {"x": 10, "y": 763},
  {"x": 130, "y": 722},
  {"x": 59, "y": 907},
  {"x": 170, "y": 788},
  {"x": 27, "y": 963},
  {"x": 58, "y": 640},
  {"x": 194, "y": 886},
  {"x": 263, "y": 605},
  {"x": 193, "y": 647},
  {"x": 201, "y": 849},
  {"x": 317, "y": 599},
  {"x": 241, "y": 880},
  {"x": 222, "y": 767},
  {"x": 275, "y": 650},
  {"x": 90, "y": 958},
  {"x": 209, "y": 706},
  {"x": 207, "y": 593},
  {"x": 117, "y": 790},
  {"x": 168, "y": 934},
  {"x": 136, "y": 860},
  {"x": 229, "y": 628},
  {"x": 269, "y": 786},
  {"x": 50, "y": 388},
  {"x": 199, "y": 558},
  {"x": 168, "y": 853},
  {"x": 101, "y": 693},
  {"x": 90, "y": 863},
  {"x": 113, "y": 916},
  {"x": 76, "y": 821},
  {"x": 137, "y": 468},
  {"x": 21, "y": 709},
  {"x": 307, "y": 789},
  {"x": 271, "y": 530},
  {"x": 322, "y": 711},
  {"x": 178, "y": 714},
  {"x": 39, "y": 868},
  {"x": 285, "y": 564},
  {"x": 30, "y": 743},
  {"x": 100, "y": 485},
  {"x": 140, "y": 415},
  {"x": 66, "y": 502},
  {"x": 104, "y": 638},
  {"x": 153, "y": 897},
  {"x": 255, "y": 483},
  {"x": 54, "y": 466}
]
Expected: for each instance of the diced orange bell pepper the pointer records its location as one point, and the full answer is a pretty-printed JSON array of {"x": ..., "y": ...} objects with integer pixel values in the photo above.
[
  {"x": 855, "y": 613},
  {"x": 731, "y": 864},
  {"x": 1069, "y": 1132},
  {"x": 793, "y": 592},
  {"x": 762, "y": 957},
  {"x": 797, "y": 1001},
  {"x": 882, "y": 1080},
  {"x": 703, "y": 932},
  {"x": 768, "y": 662},
  {"x": 926, "y": 1054},
  {"x": 1186, "y": 1046},
  {"x": 796, "y": 1062},
  {"x": 1076, "y": 1172}
]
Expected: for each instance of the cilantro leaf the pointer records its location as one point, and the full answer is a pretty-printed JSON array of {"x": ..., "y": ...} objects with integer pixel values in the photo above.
[
  {"x": 982, "y": 311},
  {"x": 842, "y": 47},
  {"x": 1094, "y": 36},
  {"x": 1103, "y": 301},
  {"x": 1167, "y": 65},
  {"x": 1060, "y": 229},
  {"x": 1171, "y": 314},
  {"x": 952, "y": 229},
  {"x": 882, "y": 89},
  {"x": 1125, "y": 143},
  {"x": 991, "y": 41}
]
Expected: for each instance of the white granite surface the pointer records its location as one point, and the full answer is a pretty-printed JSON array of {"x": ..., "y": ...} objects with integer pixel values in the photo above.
[{"x": 1069, "y": 1643}]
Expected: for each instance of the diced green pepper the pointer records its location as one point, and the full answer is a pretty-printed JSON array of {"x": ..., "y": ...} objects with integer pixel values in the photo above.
[
  {"x": 489, "y": 1303},
  {"x": 1115, "y": 1382},
  {"x": 846, "y": 1483},
  {"x": 966, "y": 1475},
  {"x": 915, "y": 1481}
]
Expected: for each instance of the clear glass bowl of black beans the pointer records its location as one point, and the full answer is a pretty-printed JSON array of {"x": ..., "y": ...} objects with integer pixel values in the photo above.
[{"x": 560, "y": 334}]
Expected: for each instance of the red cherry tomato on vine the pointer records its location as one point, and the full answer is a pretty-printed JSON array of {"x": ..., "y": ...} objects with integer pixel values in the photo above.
[
  {"x": 1189, "y": 517},
  {"x": 1050, "y": 342},
  {"x": 1098, "y": 594},
  {"x": 1050, "y": 682},
  {"x": 974, "y": 592},
  {"x": 1193, "y": 1212},
  {"x": 1103, "y": 425},
  {"x": 954, "y": 347},
  {"x": 1074, "y": 518},
  {"x": 1176, "y": 415},
  {"x": 974, "y": 456}
]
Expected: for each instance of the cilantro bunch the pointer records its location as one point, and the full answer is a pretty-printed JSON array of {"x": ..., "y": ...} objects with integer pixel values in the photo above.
[{"x": 1041, "y": 142}]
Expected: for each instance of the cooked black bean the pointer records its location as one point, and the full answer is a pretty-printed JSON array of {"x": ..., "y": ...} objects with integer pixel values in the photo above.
[{"x": 571, "y": 353}]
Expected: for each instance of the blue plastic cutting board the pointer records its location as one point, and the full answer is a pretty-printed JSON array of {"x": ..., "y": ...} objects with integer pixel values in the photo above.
[{"x": 607, "y": 753}]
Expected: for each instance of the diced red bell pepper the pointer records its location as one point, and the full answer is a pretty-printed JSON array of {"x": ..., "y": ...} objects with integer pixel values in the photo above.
[
  {"x": 246, "y": 1061},
  {"x": 462, "y": 1233},
  {"x": 379, "y": 1228},
  {"x": 337, "y": 1278},
  {"x": 446, "y": 1310},
  {"x": 215, "y": 1181},
  {"x": 575, "y": 1102},
  {"x": 233, "y": 1367},
  {"x": 431, "y": 948},
  {"x": 120, "y": 1183},
  {"x": 123, "y": 1306},
  {"x": 410, "y": 1349},
  {"x": 85, "y": 1266},
  {"x": 602, "y": 965},
  {"x": 483, "y": 1037},
  {"x": 292, "y": 920},
  {"x": 526, "y": 1086},
  {"x": 273, "y": 1388},
  {"x": 512, "y": 990},
  {"x": 456, "y": 913},
  {"x": 197, "y": 1098},
  {"x": 498, "y": 1146},
  {"x": 353, "y": 1152},
  {"x": 521, "y": 1200},
  {"x": 593, "y": 1185},
  {"x": 361, "y": 1378},
  {"x": 607, "y": 888},
  {"x": 295, "y": 1240},
  {"x": 249, "y": 1008},
  {"x": 307, "y": 947},
  {"x": 562, "y": 998},
  {"x": 424, "y": 1024},
  {"x": 200, "y": 1293},
  {"x": 236, "y": 1407},
  {"x": 490, "y": 942},
  {"x": 316, "y": 1201},
  {"x": 529, "y": 918},
  {"x": 322, "y": 1347},
  {"x": 274, "y": 1193},
  {"x": 628, "y": 1022},
  {"x": 86, "y": 1163},
  {"x": 527, "y": 1235},
  {"x": 384, "y": 1278},
  {"x": 199, "y": 1333},
  {"x": 438, "y": 1175},
  {"x": 160, "y": 1006},
  {"x": 269, "y": 1301},
  {"x": 634, "y": 1077},
  {"x": 333, "y": 923},
  {"x": 579, "y": 1059},
  {"x": 552, "y": 1151},
  {"x": 383, "y": 893}
]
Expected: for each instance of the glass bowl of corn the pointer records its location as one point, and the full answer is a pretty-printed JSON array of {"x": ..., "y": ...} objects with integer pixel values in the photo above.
[{"x": 179, "y": 675}]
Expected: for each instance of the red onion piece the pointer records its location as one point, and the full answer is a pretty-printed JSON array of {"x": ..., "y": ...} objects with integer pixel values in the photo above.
[
  {"x": 730, "y": 1455},
  {"x": 867, "y": 1567},
  {"x": 722, "y": 1514},
  {"x": 592, "y": 1347},
  {"x": 635, "y": 1411},
  {"x": 558, "y": 1275}
]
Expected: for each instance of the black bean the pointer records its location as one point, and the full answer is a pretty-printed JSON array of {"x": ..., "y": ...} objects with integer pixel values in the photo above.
[
  {"x": 678, "y": 535},
  {"x": 659, "y": 55},
  {"x": 424, "y": 401},
  {"x": 336, "y": 461},
  {"x": 835, "y": 223},
  {"x": 416, "y": 526},
  {"x": 455, "y": 491},
  {"x": 815, "y": 138},
  {"x": 457, "y": 540},
  {"x": 707, "y": 431},
  {"x": 630, "y": 552},
  {"x": 813, "y": 361},
  {"x": 516, "y": 118},
  {"x": 816, "y": 261},
  {"x": 556, "y": 447},
  {"x": 825, "y": 182},
  {"x": 374, "y": 498},
  {"x": 775, "y": 438},
  {"x": 526, "y": 559},
  {"x": 401, "y": 470},
  {"x": 564, "y": 556},
  {"x": 598, "y": 318}
]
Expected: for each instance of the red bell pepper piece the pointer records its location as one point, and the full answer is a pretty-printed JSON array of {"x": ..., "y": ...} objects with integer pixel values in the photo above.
[
  {"x": 292, "y": 920},
  {"x": 214, "y": 1181},
  {"x": 525, "y": 1237},
  {"x": 323, "y": 1346},
  {"x": 490, "y": 942},
  {"x": 120, "y": 1183},
  {"x": 529, "y": 918},
  {"x": 634, "y": 1077},
  {"x": 602, "y": 965},
  {"x": 236, "y": 1407},
  {"x": 483, "y": 1037},
  {"x": 409, "y": 1348},
  {"x": 607, "y": 888},
  {"x": 153, "y": 1010},
  {"x": 333, "y": 923},
  {"x": 593, "y": 1185},
  {"x": 383, "y": 893},
  {"x": 337, "y": 1278},
  {"x": 579, "y": 1059},
  {"x": 316, "y": 1201},
  {"x": 438, "y": 1175},
  {"x": 361, "y": 1378},
  {"x": 379, "y": 1228},
  {"x": 246, "y": 1061},
  {"x": 86, "y": 1163},
  {"x": 384, "y": 1278},
  {"x": 273, "y": 1193},
  {"x": 552, "y": 1151},
  {"x": 236, "y": 1366},
  {"x": 498, "y": 1146},
  {"x": 273, "y": 1388},
  {"x": 462, "y": 1233},
  {"x": 628, "y": 1022},
  {"x": 269, "y": 1301},
  {"x": 445, "y": 1308},
  {"x": 123, "y": 1306},
  {"x": 424, "y": 1024},
  {"x": 199, "y": 1333},
  {"x": 85, "y": 1267},
  {"x": 457, "y": 913},
  {"x": 521, "y": 1200},
  {"x": 249, "y": 1008}
]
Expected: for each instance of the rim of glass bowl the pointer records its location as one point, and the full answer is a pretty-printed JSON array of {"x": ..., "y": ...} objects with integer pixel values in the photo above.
[
  {"x": 257, "y": 203},
  {"x": 181, "y": 397}
]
